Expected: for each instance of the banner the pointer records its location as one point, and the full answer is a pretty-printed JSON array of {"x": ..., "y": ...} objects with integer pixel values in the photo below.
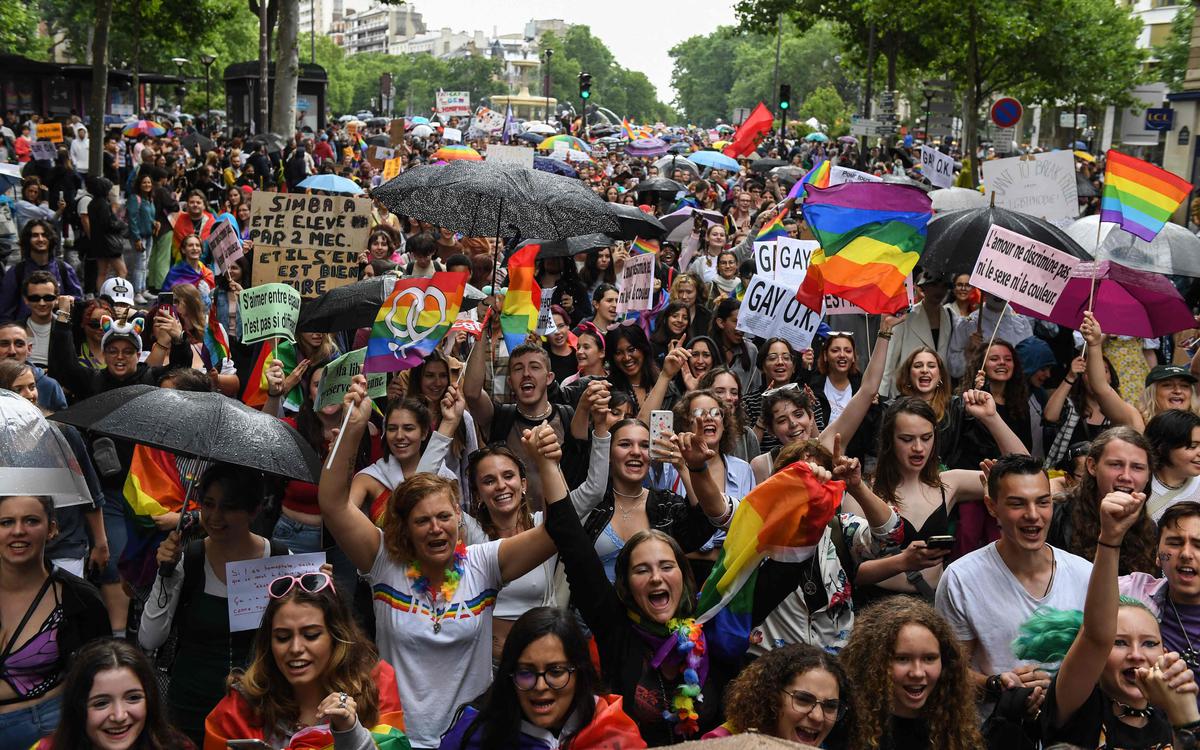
[
  {"x": 1021, "y": 270},
  {"x": 309, "y": 242},
  {"x": 522, "y": 155},
  {"x": 247, "y": 582},
  {"x": 224, "y": 245},
  {"x": 336, "y": 377},
  {"x": 784, "y": 260},
  {"x": 43, "y": 151},
  {"x": 49, "y": 131},
  {"x": 269, "y": 311},
  {"x": 839, "y": 175},
  {"x": 770, "y": 309},
  {"x": 1041, "y": 185},
  {"x": 636, "y": 283},
  {"x": 545, "y": 323},
  {"x": 453, "y": 103},
  {"x": 937, "y": 167}
]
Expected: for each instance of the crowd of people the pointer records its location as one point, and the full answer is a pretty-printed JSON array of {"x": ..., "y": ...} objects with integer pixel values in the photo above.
[{"x": 513, "y": 556}]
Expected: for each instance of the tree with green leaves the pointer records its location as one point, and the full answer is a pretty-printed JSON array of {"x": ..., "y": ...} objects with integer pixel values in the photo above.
[
  {"x": 827, "y": 106},
  {"x": 1173, "y": 53}
]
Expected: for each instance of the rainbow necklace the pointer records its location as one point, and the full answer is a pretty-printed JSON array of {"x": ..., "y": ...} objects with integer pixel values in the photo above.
[{"x": 450, "y": 581}]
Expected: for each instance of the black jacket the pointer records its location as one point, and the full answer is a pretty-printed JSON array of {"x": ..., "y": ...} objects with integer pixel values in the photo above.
[{"x": 83, "y": 381}]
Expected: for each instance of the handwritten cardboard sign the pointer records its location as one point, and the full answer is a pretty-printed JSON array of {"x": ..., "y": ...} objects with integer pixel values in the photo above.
[
  {"x": 1041, "y": 185},
  {"x": 784, "y": 260},
  {"x": 268, "y": 311},
  {"x": 840, "y": 175},
  {"x": 545, "y": 324},
  {"x": 247, "y": 582},
  {"x": 50, "y": 131},
  {"x": 522, "y": 155},
  {"x": 225, "y": 246},
  {"x": 1022, "y": 270},
  {"x": 770, "y": 309},
  {"x": 309, "y": 242},
  {"x": 938, "y": 167},
  {"x": 43, "y": 150},
  {"x": 636, "y": 283}
]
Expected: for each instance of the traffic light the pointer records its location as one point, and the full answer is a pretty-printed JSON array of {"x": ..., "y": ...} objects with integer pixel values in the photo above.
[
  {"x": 585, "y": 86},
  {"x": 785, "y": 97}
]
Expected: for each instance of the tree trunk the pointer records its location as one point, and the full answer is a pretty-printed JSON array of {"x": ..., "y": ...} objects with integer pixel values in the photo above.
[
  {"x": 893, "y": 52},
  {"x": 971, "y": 99},
  {"x": 264, "y": 55},
  {"x": 96, "y": 107},
  {"x": 137, "y": 60},
  {"x": 287, "y": 69}
]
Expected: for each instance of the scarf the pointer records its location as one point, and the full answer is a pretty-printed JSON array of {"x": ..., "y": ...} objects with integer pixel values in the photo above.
[{"x": 679, "y": 644}]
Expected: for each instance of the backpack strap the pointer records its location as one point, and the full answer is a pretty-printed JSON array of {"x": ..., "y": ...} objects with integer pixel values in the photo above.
[{"x": 837, "y": 535}]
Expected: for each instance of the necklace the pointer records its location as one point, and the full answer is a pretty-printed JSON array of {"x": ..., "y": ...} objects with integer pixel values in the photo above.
[
  {"x": 1137, "y": 713},
  {"x": 1190, "y": 657},
  {"x": 450, "y": 581},
  {"x": 628, "y": 511},
  {"x": 1053, "y": 570},
  {"x": 540, "y": 417}
]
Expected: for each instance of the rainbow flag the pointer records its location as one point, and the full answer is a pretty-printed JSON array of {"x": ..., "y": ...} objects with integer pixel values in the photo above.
[
  {"x": 215, "y": 339},
  {"x": 412, "y": 320},
  {"x": 641, "y": 246},
  {"x": 386, "y": 737},
  {"x": 153, "y": 486},
  {"x": 523, "y": 300},
  {"x": 182, "y": 273},
  {"x": 1139, "y": 196},
  {"x": 818, "y": 176},
  {"x": 872, "y": 235},
  {"x": 628, "y": 130},
  {"x": 782, "y": 518},
  {"x": 256, "y": 385},
  {"x": 773, "y": 229}
]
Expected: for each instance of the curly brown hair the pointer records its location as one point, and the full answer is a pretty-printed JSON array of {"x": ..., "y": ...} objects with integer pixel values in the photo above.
[
  {"x": 752, "y": 699},
  {"x": 684, "y": 422},
  {"x": 400, "y": 505},
  {"x": 949, "y": 711}
]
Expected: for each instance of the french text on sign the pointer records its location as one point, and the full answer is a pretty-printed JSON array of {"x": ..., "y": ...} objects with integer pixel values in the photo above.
[{"x": 1022, "y": 270}]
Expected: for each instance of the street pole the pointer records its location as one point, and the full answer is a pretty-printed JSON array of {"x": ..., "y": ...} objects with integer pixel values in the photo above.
[
  {"x": 264, "y": 40},
  {"x": 546, "y": 83},
  {"x": 312, "y": 30},
  {"x": 928, "y": 110},
  {"x": 870, "y": 71},
  {"x": 207, "y": 61},
  {"x": 775, "y": 79}
]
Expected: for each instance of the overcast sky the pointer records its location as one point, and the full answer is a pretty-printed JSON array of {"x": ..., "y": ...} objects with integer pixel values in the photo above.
[{"x": 638, "y": 33}]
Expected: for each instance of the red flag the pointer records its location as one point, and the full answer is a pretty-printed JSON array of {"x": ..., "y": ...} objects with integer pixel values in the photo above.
[{"x": 746, "y": 138}]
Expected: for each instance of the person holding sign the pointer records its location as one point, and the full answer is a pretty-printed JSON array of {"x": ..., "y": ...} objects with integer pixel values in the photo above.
[
  {"x": 315, "y": 678},
  {"x": 434, "y": 595}
]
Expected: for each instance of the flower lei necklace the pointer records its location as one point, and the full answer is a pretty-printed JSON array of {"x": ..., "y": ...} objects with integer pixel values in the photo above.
[
  {"x": 450, "y": 581},
  {"x": 689, "y": 642}
]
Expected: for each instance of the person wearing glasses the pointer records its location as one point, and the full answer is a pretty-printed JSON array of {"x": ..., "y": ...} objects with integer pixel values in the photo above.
[
  {"x": 964, "y": 299},
  {"x": 40, "y": 291},
  {"x": 315, "y": 679},
  {"x": 798, "y": 693},
  {"x": 546, "y": 694},
  {"x": 39, "y": 244},
  {"x": 909, "y": 674},
  {"x": 191, "y": 598}
]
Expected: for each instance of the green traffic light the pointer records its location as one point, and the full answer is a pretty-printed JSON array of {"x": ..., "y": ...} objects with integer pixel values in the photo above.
[
  {"x": 783, "y": 105},
  {"x": 585, "y": 94}
]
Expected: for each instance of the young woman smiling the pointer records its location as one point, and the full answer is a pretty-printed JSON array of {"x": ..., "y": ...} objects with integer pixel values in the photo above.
[
  {"x": 1175, "y": 437},
  {"x": 589, "y": 353},
  {"x": 688, "y": 289}
]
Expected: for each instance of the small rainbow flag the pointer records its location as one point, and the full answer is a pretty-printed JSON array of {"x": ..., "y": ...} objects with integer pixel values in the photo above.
[
  {"x": 627, "y": 129},
  {"x": 784, "y": 518},
  {"x": 256, "y": 385},
  {"x": 1140, "y": 196},
  {"x": 215, "y": 340},
  {"x": 153, "y": 486},
  {"x": 523, "y": 300},
  {"x": 818, "y": 176},
  {"x": 641, "y": 246},
  {"x": 773, "y": 229},
  {"x": 182, "y": 273},
  {"x": 413, "y": 319}
]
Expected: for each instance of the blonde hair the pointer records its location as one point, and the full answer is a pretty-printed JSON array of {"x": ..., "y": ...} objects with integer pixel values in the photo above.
[
  {"x": 400, "y": 506},
  {"x": 1149, "y": 405}
]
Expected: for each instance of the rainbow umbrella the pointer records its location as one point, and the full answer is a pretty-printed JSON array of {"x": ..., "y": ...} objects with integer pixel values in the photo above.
[
  {"x": 144, "y": 127},
  {"x": 570, "y": 140},
  {"x": 456, "y": 152}
]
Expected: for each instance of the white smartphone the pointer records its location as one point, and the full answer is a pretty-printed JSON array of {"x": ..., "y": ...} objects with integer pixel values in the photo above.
[{"x": 662, "y": 423}]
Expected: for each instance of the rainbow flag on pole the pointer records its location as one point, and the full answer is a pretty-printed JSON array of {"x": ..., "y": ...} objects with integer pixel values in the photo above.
[
  {"x": 412, "y": 320},
  {"x": 1139, "y": 196},
  {"x": 641, "y": 246},
  {"x": 783, "y": 518},
  {"x": 519, "y": 316},
  {"x": 256, "y": 385},
  {"x": 773, "y": 229},
  {"x": 818, "y": 176},
  {"x": 872, "y": 235}
]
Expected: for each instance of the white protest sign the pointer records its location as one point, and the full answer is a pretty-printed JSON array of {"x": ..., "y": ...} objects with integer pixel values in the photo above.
[
  {"x": 452, "y": 135},
  {"x": 43, "y": 150},
  {"x": 1041, "y": 185},
  {"x": 247, "y": 582},
  {"x": 1021, "y": 270},
  {"x": 839, "y": 175},
  {"x": 636, "y": 283},
  {"x": 938, "y": 167},
  {"x": 453, "y": 103},
  {"x": 545, "y": 323},
  {"x": 224, "y": 245},
  {"x": 784, "y": 260},
  {"x": 521, "y": 155},
  {"x": 770, "y": 309}
]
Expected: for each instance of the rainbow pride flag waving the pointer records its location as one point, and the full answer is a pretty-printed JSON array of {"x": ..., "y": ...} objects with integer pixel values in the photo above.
[
  {"x": 1139, "y": 196},
  {"x": 519, "y": 316},
  {"x": 773, "y": 229},
  {"x": 818, "y": 176},
  {"x": 412, "y": 320},
  {"x": 783, "y": 518},
  {"x": 641, "y": 246}
]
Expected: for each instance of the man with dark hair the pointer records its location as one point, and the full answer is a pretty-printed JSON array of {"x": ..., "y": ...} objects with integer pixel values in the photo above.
[
  {"x": 604, "y": 303},
  {"x": 39, "y": 243},
  {"x": 986, "y": 595},
  {"x": 40, "y": 291}
]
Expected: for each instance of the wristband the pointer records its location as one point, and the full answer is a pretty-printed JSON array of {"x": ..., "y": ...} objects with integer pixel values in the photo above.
[
  {"x": 160, "y": 344},
  {"x": 1106, "y": 544},
  {"x": 884, "y": 334},
  {"x": 698, "y": 469},
  {"x": 993, "y": 687},
  {"x": 1068, "y": 381}
]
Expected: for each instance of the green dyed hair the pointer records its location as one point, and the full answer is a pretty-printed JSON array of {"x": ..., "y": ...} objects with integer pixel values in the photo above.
[{"x": 1048, "y": 633}]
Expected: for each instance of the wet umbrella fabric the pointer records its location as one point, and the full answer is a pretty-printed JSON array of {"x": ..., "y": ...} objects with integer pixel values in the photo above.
[
  {"x": 954, "y": 239},
  {"x": 1174, "y": 250},
  {"x": 35, "y": 459},
  {"x": 201, "y": 425},
  {"x": 634, "y": 222},
  {"x": 659, "y": 184}
]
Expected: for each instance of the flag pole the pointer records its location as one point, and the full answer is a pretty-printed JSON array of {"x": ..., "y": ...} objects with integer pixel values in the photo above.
[
  {"x": 995, "y": 330},
  {"x": 1095, "y": 268}
]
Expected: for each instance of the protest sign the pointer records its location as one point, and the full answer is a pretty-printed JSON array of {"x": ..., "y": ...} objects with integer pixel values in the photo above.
[
  {"x": 378, "y": 155},
  {"x": 937, "y": 167},
  {"x": 224, "y": 245},
  {"x": 43, "y": 150},
  {"x": 453, "y": 103},
  {"x": 636, "y": 283},
  {"x": 1021, "y": 270},
  {"x": 784, "y": 260},
  {"x": 521, "y": 155},
  {"x": 247, "y": 581},
  {"x": 335, "y": 380},
  {"x": 310, "y": 242},
  {"x": 770, "y": 309},
  {"x": 396, "y": 131},
  {"x": 489, "y": 120},
  {"x": 545, "y": 323},
  {"x": 1041, "y": 185},
  {"x": 269, "y": 311},
  {"x": 50, "y": 131},
  {"x": 452, "y": 135},
  {"x": 391, "y": 168},
  {"x": 839, "y": 175}
]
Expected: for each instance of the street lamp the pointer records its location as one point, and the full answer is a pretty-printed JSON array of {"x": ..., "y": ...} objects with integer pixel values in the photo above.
[
  {"x": 182, "y": 87},
  {"x": 929, "y": 95},
  {"x": 546, "y": 61},
  {"x": 207, "y": 60}
]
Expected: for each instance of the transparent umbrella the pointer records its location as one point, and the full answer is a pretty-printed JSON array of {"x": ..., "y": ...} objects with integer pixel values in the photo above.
[{"x": 35, "y": 459}]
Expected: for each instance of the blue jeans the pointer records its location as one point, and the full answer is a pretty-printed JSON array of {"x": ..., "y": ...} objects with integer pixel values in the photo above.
[
  {"x": 25, "y": 726},
  {"x": 116, "y": 531},
  {"x": 296, "y": 536},
  {"x": 137, "y": 264}
]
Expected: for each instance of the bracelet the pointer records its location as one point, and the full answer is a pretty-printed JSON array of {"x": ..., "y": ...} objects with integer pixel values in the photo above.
[
  {"x": 1068, "y": 381},
  {"x": 884, "y": 334},
  {"x": 273, "y": 394},
  {"x": 698, "y": 469},
  {"x": 1106, "y": 544},
  {"x": 160, "y": 344},
  {"x": 1191, "y": 726}
]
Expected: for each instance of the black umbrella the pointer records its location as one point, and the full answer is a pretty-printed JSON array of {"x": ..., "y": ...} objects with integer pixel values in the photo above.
[
  {"x": 272, "y": 143},
  {"x": 659, "y": 184},
  {"x": 1084, "y": 187},
  {"x": 955, "y": 238},
  {"x": 490, "y": 199},
  {"x": 355, "y": 305},
  {"x": 766, "y": 165},
  {"x": 195, "y": 141},
  {"x": 379, "y": 139},
  {"x": 534, "y": 138},
  {"x": 200, "y": 425},
  {"x": 634, "y": 222},
  {"x": 566, "y": 248}
]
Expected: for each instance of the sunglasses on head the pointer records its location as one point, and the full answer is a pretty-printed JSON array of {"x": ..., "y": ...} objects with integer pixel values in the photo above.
[
  {"x": 40, "y": 297},
  {"x": 310, "y": 582},
  {"x": 785, "y": 387}
]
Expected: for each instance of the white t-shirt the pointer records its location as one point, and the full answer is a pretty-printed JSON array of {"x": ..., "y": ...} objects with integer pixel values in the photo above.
[
  {"x": 984, "y": 602},
  {"x": 838, "y": 399},
  {"x": 1162, "y": 497},
  {"x": 39, "y": 339},
  {"x": 436, "y": 672}
]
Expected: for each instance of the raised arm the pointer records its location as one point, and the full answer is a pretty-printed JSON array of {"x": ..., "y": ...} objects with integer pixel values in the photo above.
[
  {"x": 477, "y": 398},
  {"x": 350, "y": 527},
  {"x": 981, "y": 406},
  {"x": 1058, "y": 399},
  {"x": 1111, "y": 403},
  {"x": 522, "y": 553},
  {"x": 675, "y": 360},
  {"x": 852, "y": 416}
]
